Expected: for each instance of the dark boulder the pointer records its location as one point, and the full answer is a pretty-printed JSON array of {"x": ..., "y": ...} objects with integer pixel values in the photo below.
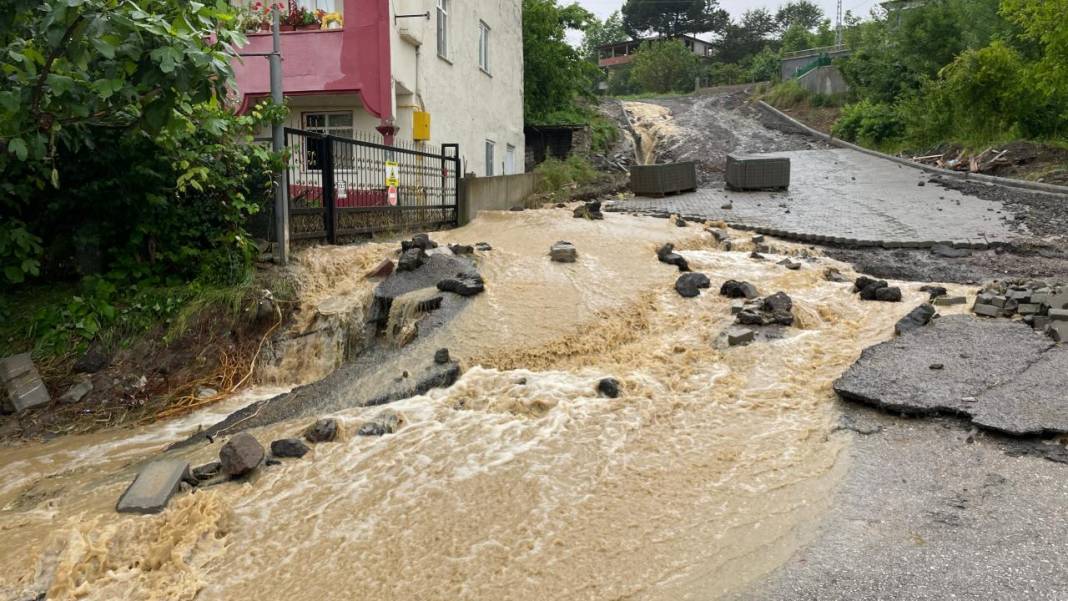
[
  {"x": 917, "y": 318},
  {"x": 934, "y": 291},
  {"x": 689, "y": 284},
  {"x": 441, "y": 356},
  {"x": 240, "y": 455},
  {"x": 563, "y": 252},
  {"x": 888, "y": 294},
  {"x": 411, "y": 259},
  {"x": 608, "y": 387},
  {"x": 289, "y": 447},
  {"x": 589, "y": 210},
  {"x": 748, "y": 317},
  {"x": 420, "y": 241},
  {"x": 868, "y": 292},
  {"x": 832, "y": 274},
  {"x": 92, "y": 361},
  {"x": 324, "y": 430},
  {"x": 464, "y": 284},
  {"x": 386, "y": 422},
  {"x": 383, "y": 269},
  {"x": 667, "y": 254},
  {"x": 736, "y": 289},
  {"x": 483, "y": 246},
  {"x": 778, "y": 303},
  {"x": 207, "y": 471},
  {"x": 680, "y": 222},
  {"x": 461, "y": 249}
]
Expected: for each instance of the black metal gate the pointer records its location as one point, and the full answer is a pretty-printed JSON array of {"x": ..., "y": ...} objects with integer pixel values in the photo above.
[{"x": 341, "y": 187}]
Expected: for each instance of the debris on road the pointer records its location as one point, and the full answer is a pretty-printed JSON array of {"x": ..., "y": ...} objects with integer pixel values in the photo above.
[
  {"x": 689, "y": 284},
  {"x": 153, "y": 487}
]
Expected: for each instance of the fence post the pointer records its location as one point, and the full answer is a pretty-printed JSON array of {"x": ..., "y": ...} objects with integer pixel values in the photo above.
[{"x": 329, "y": 198}]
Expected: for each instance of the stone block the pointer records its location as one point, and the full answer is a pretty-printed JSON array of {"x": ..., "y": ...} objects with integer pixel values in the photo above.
[
  {"x": 1058, "y": 330},
  {"x": 153, "y": 487},
  {"x": 1028, "y": 309},
  {"x": 987, "y": 310},
  {"x": 1058, "y": 314},
  {"x": 21, "y": 382},
  {"x": 999, "y": 301},
  {"x": 946, "y": 301},
  {"x": 737, "y": 336},
  {"x": 1058, "y": 300},
  {"x": 1040, "y": 322}
]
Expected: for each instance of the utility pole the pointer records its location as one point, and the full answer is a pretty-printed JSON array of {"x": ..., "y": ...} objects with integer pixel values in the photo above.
[
  {"x": 281, "y": 205},
  {"x": 838, "y": 26}
]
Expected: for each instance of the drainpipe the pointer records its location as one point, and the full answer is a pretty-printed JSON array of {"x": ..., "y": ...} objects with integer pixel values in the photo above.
[{"x": 281, "y": 206}]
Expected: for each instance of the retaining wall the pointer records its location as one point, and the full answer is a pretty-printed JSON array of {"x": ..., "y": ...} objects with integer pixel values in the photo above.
[
  {"x": 497, "y": 193},
  {"x": 824, "y": 80}
]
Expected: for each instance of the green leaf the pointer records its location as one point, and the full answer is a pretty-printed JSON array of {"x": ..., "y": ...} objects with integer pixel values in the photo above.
[
  {"x": 18, "y": 147},
  {"x": 14, "y": 275}
]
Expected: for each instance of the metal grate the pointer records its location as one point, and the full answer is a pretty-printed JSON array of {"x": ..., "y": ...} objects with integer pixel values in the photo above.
[
  {"x": 658, "y": 180},
  {"x": 337, "y": 186}
]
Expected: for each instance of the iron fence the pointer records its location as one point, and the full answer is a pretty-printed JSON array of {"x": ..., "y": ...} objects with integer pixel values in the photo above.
[{"x": 342, "y": 187}]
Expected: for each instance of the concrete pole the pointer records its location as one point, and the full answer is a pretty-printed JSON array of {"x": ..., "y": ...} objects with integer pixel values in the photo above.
[{"x": 281, "y": 204}]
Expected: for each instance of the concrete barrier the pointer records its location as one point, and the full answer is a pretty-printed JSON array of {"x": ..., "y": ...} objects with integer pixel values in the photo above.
[
  {"x": 497, "y": 193},
  {"x": 966, "y": 175}
]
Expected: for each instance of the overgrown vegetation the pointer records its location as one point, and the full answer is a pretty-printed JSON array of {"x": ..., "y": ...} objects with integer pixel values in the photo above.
[
  {"x": 556, "y": 174},
  {"x": 126, "y": 182}
]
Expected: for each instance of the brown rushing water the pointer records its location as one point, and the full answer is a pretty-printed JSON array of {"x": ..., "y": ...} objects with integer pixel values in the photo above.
[{"x": 516, "y": 483}]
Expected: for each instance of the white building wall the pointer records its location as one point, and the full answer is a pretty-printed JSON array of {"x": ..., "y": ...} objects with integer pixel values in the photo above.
[{"x": 467, "y": 105}]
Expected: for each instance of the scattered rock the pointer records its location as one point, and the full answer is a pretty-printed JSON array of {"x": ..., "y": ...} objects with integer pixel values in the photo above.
[
  {"x": 589, "y": 210},
  {"x": 563, "y": 252},
  {"x": 667, "y": 254},
  {"x": 936, "y": 366},
  {"x": 411, "y": 259},
  {"x": 441, "y": 356},
  {"x": 289, "y": 447},
  {"x": 518, "y": 208},
  {"x": 153, "y": 487},
  {"x": 483, "y": 246},
  {"x": 737, "y": 336},
  {"x": 386, "y": 422},
  {"x": 789, "y": 264},
  {"x": 831, "y": 274},
  {"x": 917, "y": 318},
  {"x": 891, "y": 294},
  {"x": 464, "y": 284},
  {"x": 736, "y": 289},
  {"x": 77, "y": 392},
  {"x": 759, "y": 239},
  {"x": 240, "y": 455},
  {"x": 934, "y": 291},
  {"x": 461, "y": 249},
  {"x": 779, "y": 306},
  {"x": 756, "y": 255},
  {"x": 92, "y": 361},
  {"x": 689, "y": 284},
  {"x": 947, "y": 301},
  {"x": 382, "y": 270},
  {"x": 680, "y": 222},
  {"x": 727, "y": 206},
  {"x": 608, "y": 387},
  {"x": 324, "y": 430},
  {"x": 207, "y": 471},
  {"x": 420, "y": 241}
]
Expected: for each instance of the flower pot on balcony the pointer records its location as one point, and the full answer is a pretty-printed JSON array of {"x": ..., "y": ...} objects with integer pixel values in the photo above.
[
  {"x": 308, "y": 27},
  {"x": 286, "y": 28}
]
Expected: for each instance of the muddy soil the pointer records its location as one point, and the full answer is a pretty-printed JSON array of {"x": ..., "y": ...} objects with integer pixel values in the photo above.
[
  {"x": 1044, "y": 215},
  {"x": 924, "y": 266},
  {"x": 710, "y": 125}
]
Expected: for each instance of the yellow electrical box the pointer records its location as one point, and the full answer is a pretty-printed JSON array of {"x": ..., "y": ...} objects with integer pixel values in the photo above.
[{"x": 420, "y": 125}]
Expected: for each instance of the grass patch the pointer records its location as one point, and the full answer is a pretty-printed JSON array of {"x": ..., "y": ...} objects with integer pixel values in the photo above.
[{"x": 556, "y": 174}]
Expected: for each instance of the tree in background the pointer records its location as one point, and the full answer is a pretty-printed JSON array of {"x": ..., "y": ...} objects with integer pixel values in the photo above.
[
  {"x": 665, "y": 66},
  {"x": 1044, "y": 23},
  {"x": 554, "y": 72},
  {"x": 746, "y": 37},
  {"x": 797, "y": 37},
  {"x": 672, "y": 18},
  {"x": 598, "y": 33},
  {"x": 801, "y": 13}
]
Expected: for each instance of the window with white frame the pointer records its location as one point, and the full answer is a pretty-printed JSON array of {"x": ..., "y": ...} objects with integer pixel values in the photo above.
[
  {"x": 489, "y": 158},
  {"x": 483, "y": 46},
  {"x": 334, "y": 123},
  {"x": 509, "y": 160},
  {"x": 443, "y": 28},
  {"x": 327, "y": 6}
]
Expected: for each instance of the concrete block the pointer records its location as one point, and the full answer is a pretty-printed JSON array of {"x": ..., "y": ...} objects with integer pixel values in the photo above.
[
  {"x": 946, "y": 301},
  {"x": 1020, "y": 295},
  {"x": 998, "y": 301},
  {"x": 1058, "y": 300},
  {"x": 1058, "y": 314},
  {"x": 1040, "y": 322},
  {"x": 987, "y": 310},
  {"x": 737, "y": 336},
  {"x": 1028, "y": 309},
  {"x": 736, "y": 307},
  {"x": 21, "y": 382},
  {"x": 153, "y": 487},
  {"x": 1058, "y": 330}
]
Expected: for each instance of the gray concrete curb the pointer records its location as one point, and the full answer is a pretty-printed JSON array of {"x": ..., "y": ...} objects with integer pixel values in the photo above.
[{"x": 978, "y": 177}]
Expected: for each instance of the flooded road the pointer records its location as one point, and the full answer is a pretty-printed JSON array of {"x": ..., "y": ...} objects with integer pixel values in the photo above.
[{"x": 518, "y": 482}]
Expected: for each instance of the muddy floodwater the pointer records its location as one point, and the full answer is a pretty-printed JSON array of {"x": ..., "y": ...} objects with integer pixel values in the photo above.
[{"x": 518, "y": 482}]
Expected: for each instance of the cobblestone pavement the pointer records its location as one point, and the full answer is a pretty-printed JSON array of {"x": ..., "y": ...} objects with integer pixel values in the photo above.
[{"x": 846, "y": 197}]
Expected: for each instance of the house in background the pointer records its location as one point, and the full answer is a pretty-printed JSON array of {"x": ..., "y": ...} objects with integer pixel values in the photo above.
[
  {"x": 621, "y": 53},
  {"x": 422, "y": 72}
]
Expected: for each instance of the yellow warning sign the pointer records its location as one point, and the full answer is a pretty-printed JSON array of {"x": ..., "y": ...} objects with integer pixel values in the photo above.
[{"x": 392, "y": 176}]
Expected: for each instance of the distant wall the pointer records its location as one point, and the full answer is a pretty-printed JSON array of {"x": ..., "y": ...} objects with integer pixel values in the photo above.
[
  {"x": 798, "y": 60},
  {"x": 498, "y": 193},
  {"x": 824, "y": 80}
]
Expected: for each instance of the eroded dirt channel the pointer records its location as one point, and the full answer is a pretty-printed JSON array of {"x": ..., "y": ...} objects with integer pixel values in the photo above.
[{"x": 517, "y": 482}]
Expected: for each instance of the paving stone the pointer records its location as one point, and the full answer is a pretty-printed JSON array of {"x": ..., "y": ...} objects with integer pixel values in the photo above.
[
  {"x": 1028, "y": 309},
  {"x": 21, "y": 383},
  {"x": 1058, "y": 314},
  {"x": 1058, "y": 330},
  {"x": 738, "y": 336},
  {"x": 153, "y": 487},
  {"x": 946, "y": 301},
  {"x": 987, "y": 310}
]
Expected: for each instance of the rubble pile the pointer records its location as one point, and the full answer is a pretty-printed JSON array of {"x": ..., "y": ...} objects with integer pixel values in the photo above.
[{"x": 1042, "y": 306}]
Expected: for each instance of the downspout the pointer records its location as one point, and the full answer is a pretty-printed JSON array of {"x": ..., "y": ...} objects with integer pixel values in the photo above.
[{"x": 387, "y": 125}]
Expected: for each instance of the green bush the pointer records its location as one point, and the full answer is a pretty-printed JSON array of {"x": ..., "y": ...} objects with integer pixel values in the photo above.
[
  {"x": 665, "y": 67},
  {"x": 870, "y": 124},
  {"x": 555, "y": 174},
  {"x": 725, "y": 74},
  {"x": 787, "y": 94}
]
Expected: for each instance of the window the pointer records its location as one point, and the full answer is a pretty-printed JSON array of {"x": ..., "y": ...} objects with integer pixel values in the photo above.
[
  {"x": 509, "y": 160},
  {"x": 483, "y": 46},
  {"x": 443, "y": 28},
  {"x": 327, "y": 6},
  {"x": 335, "y": 123},
  {"x": 489, "y": 158}
]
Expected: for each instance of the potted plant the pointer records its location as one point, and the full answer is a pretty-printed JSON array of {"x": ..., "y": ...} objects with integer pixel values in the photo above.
[{"x": 298, "y": 17}]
